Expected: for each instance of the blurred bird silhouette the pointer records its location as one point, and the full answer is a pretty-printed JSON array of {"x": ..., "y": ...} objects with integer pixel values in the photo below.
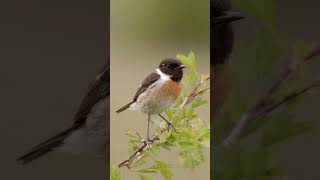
[
  {"x": 90, "y": 131},
  {"x": 221, "y": 41}
]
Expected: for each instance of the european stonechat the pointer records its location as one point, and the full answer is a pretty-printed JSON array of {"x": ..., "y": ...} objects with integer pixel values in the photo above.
[
  {"x": 159, "y": 90},
  {"x": 89, "y": 132}
]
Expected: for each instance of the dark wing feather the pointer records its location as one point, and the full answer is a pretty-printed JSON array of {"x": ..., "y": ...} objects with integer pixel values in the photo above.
[
  {"x": 98, "y": 90},
  {"x": 147, "y": 82}
]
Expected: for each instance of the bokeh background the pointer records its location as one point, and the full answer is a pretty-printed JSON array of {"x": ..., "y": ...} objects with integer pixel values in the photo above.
[
  {"x": 292, "y": 23},
  {"x": 142, "y": 34}
]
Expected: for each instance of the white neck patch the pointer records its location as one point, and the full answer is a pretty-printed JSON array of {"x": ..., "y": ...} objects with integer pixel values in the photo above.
[{"x": 163, "y": 76}]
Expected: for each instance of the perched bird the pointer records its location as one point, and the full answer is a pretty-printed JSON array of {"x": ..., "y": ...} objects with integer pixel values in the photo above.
[
  {"x": 159, "y": 90},
  {"x": 221, "y": 41},
  {"x": 89, "y": 132}
]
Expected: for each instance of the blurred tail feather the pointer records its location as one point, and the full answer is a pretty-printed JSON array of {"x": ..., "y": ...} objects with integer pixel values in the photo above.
[{"x": 46, "y": 146}]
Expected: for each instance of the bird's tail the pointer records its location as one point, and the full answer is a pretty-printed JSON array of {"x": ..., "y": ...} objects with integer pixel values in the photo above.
[
  {"x": 46, "y": 146},
  {"x": 124, "y": 107}
]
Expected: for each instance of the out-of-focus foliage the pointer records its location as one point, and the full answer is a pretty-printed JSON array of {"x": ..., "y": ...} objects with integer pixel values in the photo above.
[
  {"x": 190, "y": 140},
  {"x": 256, "y": 62},
  {"x": 114, "y": 173},
  {"x": 263, "y": 10}
]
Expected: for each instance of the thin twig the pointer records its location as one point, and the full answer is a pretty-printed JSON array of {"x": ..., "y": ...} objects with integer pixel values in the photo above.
[
  {"x": 137, "y": 153},
  {"x": 142, "y": 149},
  {"x": 194, "y": 93}
]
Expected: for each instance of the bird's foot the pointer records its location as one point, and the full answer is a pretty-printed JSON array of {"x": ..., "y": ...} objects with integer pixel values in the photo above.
[
  {"x": 170, "y": 126},
  {"x": 148, "y": 142}
]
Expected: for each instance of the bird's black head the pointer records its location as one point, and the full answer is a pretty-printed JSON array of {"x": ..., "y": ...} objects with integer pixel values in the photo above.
[
  {"x": 221, "y": 39},
  {"x": 172, "y": 67},
  {"x": 221, "y": 12}
]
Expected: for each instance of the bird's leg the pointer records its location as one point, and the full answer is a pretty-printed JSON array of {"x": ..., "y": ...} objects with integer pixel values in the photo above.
[
  {"x": 148, "y": 127},
  {"x": 170, "y": 125},
  {"x": 148, "y": 141}
]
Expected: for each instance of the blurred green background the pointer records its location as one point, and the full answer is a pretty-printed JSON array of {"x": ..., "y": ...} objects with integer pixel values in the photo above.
[
  {"x": 142, "y": 34},
  {"x": 262, "y": 40}
]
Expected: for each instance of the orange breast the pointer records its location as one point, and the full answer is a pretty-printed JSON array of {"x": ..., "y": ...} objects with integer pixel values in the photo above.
[{"x": 171, "y": 89}]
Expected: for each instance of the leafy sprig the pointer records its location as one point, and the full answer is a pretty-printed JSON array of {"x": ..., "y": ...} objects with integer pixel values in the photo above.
[{"x": 191, "y": 138}]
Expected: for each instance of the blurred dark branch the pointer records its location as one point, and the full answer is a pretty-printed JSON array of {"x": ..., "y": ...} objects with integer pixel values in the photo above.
[
  {"x": 313, "y": 53},
  {"x": 292, "y": 95},
  {"x": 264, "y": 106}
]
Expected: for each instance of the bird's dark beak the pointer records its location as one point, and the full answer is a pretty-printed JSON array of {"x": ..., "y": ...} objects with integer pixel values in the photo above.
[
  {"x": 228, "y": 17},
  {"x": 182, "y": 67}
]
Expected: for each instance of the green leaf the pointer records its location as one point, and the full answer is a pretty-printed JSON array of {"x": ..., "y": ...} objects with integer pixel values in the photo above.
[
  {"x": 146, "y": 178},
  {"x": 191, "y": 157},
  {"x": 155, "y": 149},
  {"x": 198, "y": 102},
  {"x": 161, "y": 167},
  {"x": 164, "y": 137},
  {"x": 165, "y": 169},
  {"x": 190, "y": 79},
  {"x": 148, "y": 170},
  {"x": 189, "y": 61},
  {"x": 115, "y": 173},
  {"x": 204, "y": 136},
  {"x": 140, "y": 161}
]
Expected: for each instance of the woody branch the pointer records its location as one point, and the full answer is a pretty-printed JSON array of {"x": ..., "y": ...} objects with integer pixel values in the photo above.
[{"x": 265, "y": 105}]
